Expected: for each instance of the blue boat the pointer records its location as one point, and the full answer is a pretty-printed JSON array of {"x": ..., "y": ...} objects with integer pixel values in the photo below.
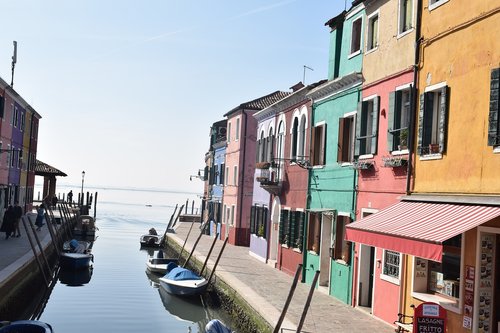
[
  {"x": 75, "y": 260},
  {"x": 26, "y": 326},
  {"x": 216, "y": 326},
  {"x": 182, "y": 281}
]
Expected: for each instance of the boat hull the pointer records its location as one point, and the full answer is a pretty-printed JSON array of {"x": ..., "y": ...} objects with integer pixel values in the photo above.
[
  {"x": 27, "y": 326},
  {"x": 75, "y": 260},
  {"x": 159, "y": 265},
  {"x": 184, "y": 287},
  {"x": 154, "y": 241}
]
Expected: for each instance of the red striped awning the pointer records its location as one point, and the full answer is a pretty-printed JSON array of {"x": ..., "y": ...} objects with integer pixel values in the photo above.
[{"x": 418, "y": 228}]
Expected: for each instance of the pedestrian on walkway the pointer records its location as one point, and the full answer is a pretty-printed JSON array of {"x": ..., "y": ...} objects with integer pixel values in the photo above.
[
  {"x": 40, "y": 213},
  {"x": 70, "y": 197},
  {"x": 18, "y": 213},
  {"x": 8, "y": 222}
]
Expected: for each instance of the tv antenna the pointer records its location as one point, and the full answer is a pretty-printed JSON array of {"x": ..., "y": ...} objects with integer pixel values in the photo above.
[
  {"x": 14, "y": 60},
  {"x": 304, "y": 75}
]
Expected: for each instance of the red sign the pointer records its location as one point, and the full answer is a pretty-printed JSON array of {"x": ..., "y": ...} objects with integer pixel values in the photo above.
[{"x": 429, "y": 318}]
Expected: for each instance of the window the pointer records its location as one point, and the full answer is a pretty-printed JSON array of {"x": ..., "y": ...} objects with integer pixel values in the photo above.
[
  {"x": 295, "y": 139},
  {"x": 356, "y": 36},
  {"x": 232, "y": 215},
  {"x": 23, "y": 121},
  {"x": 19, "y": 158},
  {"x": 226, "y": 175},
  {"x": 302, "y": 139},
  {"x": 314, "y": 232},
  {"x": 12, "y": 157},
  {"x": 261, "y": 148},
  {"x": 432, "y": 120},
  {"x": 16, "y": 117},
  {"x": 270, "y": 145},
  {"x": 292, "y": 228},
  {"x": 221, "y": 174},
  {"x": 258, "y": 220},
  {"x": 2, "y": 106},
  {"x": 405, "y": 15},
  {"x": 226, "y": 214},
  {"x": 237, "y": 129},
  {"x": 391, "y": 263},
  {"x": 235, "y": 175},
  {"x": 441, "y": 278},
  {"x": 372, "y": 31},
  {"x": 494, "y": 121},
  {"x": 345, "y": 150},
  {"x": 367, "y": 127},
  {"x": 436, "y": 3},
  {"x": 228, "y": 132},
  {"x": 399, "y": 117},
  {"x": 318, "y": 145},
  {"x": 341, "y": 247}
]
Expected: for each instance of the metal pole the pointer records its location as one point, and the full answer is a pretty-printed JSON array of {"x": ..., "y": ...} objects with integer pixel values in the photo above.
[
  {"x": 288, "y": 299},
  {"x": 308, "y": 302}
]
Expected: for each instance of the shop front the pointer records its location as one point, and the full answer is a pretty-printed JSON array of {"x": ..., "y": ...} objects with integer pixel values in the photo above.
[{"x": 450, "y": 255}]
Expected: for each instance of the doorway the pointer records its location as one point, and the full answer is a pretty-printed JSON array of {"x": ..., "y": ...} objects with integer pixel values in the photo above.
[
  {"x": 273, "y": 239},
  {"x": 325, "y": 246},
  {"x": 365, "y": 275}
]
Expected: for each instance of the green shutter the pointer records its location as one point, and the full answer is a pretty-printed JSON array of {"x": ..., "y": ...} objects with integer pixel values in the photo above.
[
  {"x": 282, "y": 226},
  {"x": 359, "y": 120},
  {"x": 291, "y": 235},
  {"x": 374, "y": 139},
  {"x": 443, "y": 117},
  {"x": 252, "y": 220},
  {"x": 300, "y": 237},
  {"x": 420, "y": 123},
  {"x": 493, "y": 128},
  {"x": 391, "y": 120}
]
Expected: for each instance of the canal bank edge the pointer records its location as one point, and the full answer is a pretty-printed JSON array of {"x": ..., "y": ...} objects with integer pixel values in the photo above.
[{"x": 260, "y": 316}]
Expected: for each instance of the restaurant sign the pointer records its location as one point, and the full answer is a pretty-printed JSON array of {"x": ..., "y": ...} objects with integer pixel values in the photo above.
[{"x": 429, "y": 318}]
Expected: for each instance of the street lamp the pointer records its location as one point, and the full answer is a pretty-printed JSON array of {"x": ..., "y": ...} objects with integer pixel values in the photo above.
[{"x": 83, "y": 177}]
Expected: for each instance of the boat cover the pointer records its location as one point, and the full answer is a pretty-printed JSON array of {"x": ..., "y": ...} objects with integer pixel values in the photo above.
[
  {"x": 180, "y": 274},
  {"x": 215, "y": 326}
]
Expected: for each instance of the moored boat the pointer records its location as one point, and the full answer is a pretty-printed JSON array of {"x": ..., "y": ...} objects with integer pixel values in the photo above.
[
  {"x": 85, "y": 226},
  {"x": 182, "y": 281},
  {"x": 75, "y": 260},
  {"x": 216, "y": 326},
  {"x": 25, "y": 326},
  {"x": 158, "y": 264}
]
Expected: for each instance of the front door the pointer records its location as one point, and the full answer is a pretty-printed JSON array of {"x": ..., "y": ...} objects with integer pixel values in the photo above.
[
  {"x": 365, "y": 275},
  {"x": 275, "y": 222},
  {"x": 326, "y": 244}
]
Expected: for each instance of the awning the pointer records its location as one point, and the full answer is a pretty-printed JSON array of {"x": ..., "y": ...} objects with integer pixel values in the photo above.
[{"x": 418, "y": 228}]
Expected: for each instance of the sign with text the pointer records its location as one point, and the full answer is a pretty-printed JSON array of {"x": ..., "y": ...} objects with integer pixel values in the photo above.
[{"x": 429, "y": 318}]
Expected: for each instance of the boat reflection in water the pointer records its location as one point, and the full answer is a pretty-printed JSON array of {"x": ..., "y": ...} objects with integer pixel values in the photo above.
[{"x": 75, "y": 277}]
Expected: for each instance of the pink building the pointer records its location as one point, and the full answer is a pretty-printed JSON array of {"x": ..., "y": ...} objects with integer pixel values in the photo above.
[{"x": 240, "y": 168}]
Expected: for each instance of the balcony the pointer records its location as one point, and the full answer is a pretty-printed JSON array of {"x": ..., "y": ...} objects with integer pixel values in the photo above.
[{"x": 269, "y": 177}]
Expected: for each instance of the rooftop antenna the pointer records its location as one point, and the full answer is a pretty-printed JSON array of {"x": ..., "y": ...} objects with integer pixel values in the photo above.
[
  {"x": 14, "y": 60},
  {"x": 304, "y": 76}
]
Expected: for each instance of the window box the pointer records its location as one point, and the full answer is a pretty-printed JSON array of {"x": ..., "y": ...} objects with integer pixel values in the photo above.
[
  {"x": 263, "y": 165},
  {"x": 394, "y": 161},
  {"x": 363, "y": 164}
]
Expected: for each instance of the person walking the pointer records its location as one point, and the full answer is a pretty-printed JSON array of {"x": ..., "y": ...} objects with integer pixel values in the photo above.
[
  {"x": 8, "y": 222},
  {"x": 40, "y": 213},
  {"x": 18, "y": 213}
]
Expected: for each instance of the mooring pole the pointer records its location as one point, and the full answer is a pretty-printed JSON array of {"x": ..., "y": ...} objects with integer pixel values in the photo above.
[
  {"x": 308, "y": 302},
  {"x": 195, "y": 244},
  {"x": 40, "y": 266},
  {"x": 209, "y": 253},
  {"x": 288, "y": 299},
  {"x": 95, "y": 204},
  {"x": 218, "y": 258}
]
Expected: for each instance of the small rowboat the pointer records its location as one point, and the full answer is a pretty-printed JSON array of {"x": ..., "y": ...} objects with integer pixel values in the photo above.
[
  {"x": 25, "y": 326},
  {"x": 182, "y": 281}
]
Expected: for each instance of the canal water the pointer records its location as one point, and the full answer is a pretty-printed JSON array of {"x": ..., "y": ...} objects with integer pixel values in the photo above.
[{"x": 118, "y": 294}]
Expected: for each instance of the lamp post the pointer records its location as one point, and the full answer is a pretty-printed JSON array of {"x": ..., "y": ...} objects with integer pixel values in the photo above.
[{"x": 83, "y": 177}]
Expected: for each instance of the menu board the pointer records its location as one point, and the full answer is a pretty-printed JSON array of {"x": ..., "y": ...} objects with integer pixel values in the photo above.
[
  {"x": 470, "y": 274},
  {"x": 486, "y": 264}
]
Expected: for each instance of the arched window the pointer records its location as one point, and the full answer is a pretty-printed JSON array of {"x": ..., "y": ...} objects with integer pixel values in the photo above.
[
  {"x": 270, "y": 144},
  {"x": 262, "y": 148},
  {"x": 295, "y": 139},
  {"x": 301, "y": 153},
  {"x": 280, "y": 143}
]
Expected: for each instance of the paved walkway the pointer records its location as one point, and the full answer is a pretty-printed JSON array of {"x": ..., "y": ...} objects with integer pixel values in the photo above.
[{"x": 266, "y": 289}]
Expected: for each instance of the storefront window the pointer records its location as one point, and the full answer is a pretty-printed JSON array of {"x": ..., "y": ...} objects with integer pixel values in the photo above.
[
  {"x": 444, "y": 277},
  {"x": 391, "y": 263}
]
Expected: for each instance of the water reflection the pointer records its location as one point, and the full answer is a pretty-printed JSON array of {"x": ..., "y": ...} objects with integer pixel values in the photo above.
[{"x": 75, "y": 277}]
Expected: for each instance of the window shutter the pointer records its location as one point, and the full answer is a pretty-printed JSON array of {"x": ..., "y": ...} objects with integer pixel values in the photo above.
[
  {"x": 374, "y": 138},
  {"x": 258, "y": 148},
  {"x": 340, "y": 143},
  {"x": 493, "y": 129},
  {"x": 264, "y": 221},
  {"x": 443, "y": 116},
  {"x": 391, "y": 120},
  {"x": 312, "y": 146},
  {"x": 282, "y": 226},
  {"x": 270, "y": 149},
  {"x": 322, "y": 157},
  {"x": 221, "y": 176},
  {"x": 2, "y": 105},
  {"x": 205, "y": 173},
  {"x": 421, "y": 123},
  {"x": 291, "y": 229},
  {"x": 359, "y": 121},
  {"x": 252, "y": 219},
  {"x": 300, "y": 231}
]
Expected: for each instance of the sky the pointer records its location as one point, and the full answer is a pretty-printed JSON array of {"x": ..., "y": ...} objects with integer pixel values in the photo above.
[{"x": 128, "y": 90}]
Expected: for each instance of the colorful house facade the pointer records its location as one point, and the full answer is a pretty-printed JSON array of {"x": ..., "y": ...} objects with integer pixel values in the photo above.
[
  {"x": 332, "y": 178},
  {"x": 240, "y": 167},
  {"x": 216, "y": 176},
  {"x": 447, "y": 230},
  {"x": 381, "y": 145}
]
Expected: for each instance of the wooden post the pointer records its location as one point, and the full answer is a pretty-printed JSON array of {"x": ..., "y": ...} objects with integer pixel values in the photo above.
[
  {"x": 308, "y": 302},
  {"x": 185, "y": 241},
  {"x": 35, "y": 254},
  {"x": 288, "y": 299},
  {"x": 53, "y": 235},
  {"x": 209, "y": 253},
  {"x": 37, "y": 239},
  {"x": 95, "y": 204},
  {"x": 195, "y": 244},
  {"x": 192, "y": 208},
  {"x": 187, "y": 203},
  {"x": 218, "y": 258}
]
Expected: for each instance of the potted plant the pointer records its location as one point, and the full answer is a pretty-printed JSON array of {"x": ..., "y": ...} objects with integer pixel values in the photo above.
[{"x": 403, "y": 139}]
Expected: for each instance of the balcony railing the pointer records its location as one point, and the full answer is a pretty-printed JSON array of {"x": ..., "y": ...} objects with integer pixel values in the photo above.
[{"x": 270, "y": 175}]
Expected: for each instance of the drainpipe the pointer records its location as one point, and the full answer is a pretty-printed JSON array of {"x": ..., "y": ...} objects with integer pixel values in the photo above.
[
  {"x": 414, "y": 91},
  {"x": 308, "y": 199},
  {"x": 242, "y": 178}
]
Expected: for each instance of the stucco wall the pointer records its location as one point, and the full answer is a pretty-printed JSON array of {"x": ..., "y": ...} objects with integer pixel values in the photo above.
[{"x": 463, "y": 58}]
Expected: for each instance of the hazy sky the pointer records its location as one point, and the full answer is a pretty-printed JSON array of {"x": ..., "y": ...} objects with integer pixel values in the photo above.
[{"x": 127, "y": 90}]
